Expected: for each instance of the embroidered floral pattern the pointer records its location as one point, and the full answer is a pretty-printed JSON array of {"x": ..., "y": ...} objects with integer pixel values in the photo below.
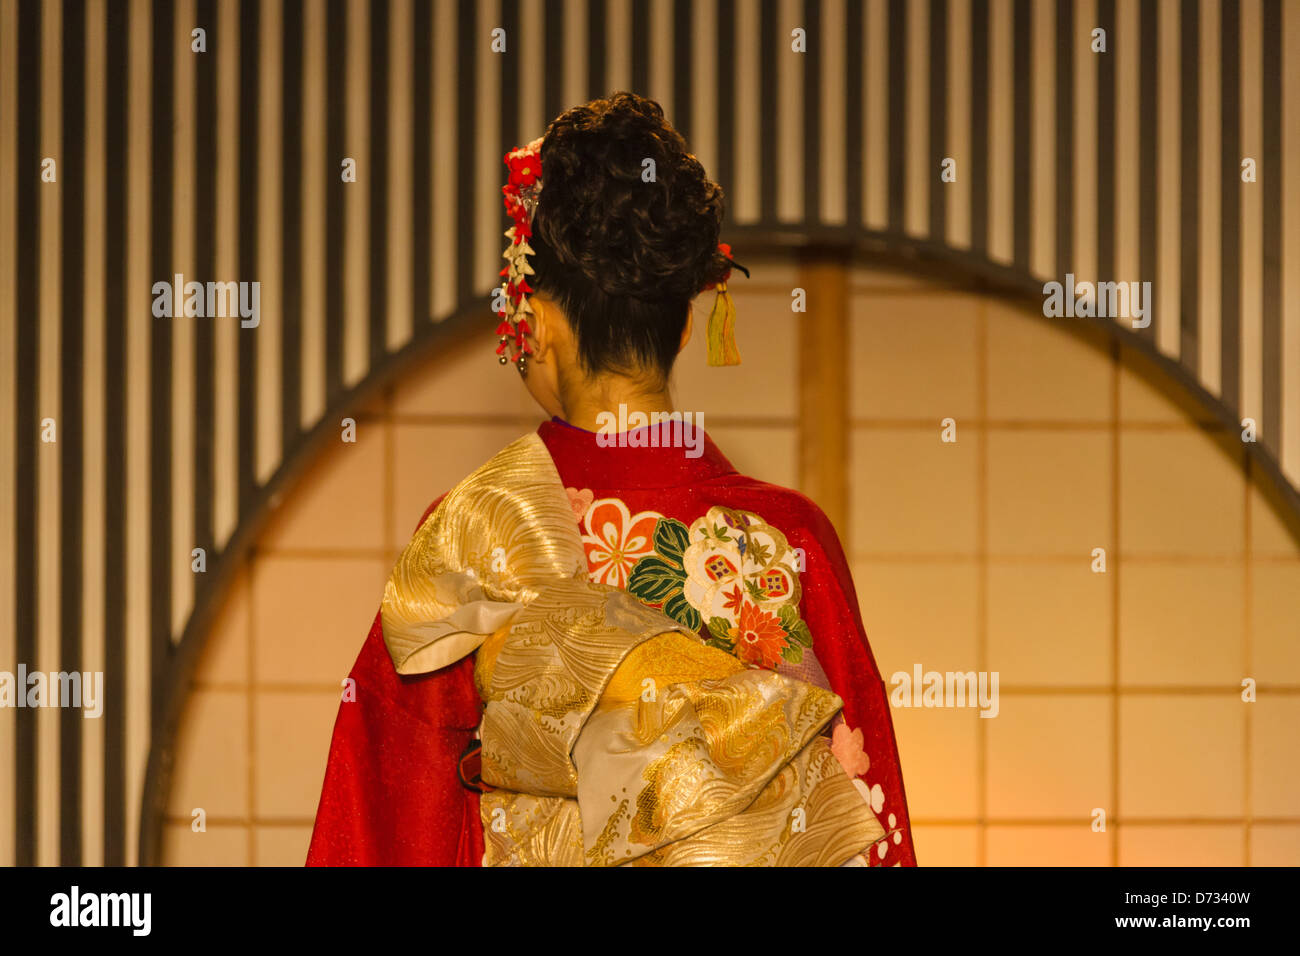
[
  {"x": 731, "y": 573},
  {"x": 758, "y": 637},
  {"x": 615, "y": 540},
  {"x": 658, "y": 579},
  {"x": 846, "y": 745},
  {"x": 579, "y": 501},
  {"x": 875, "y": 799},
  {"x": 743, "y": 578}
]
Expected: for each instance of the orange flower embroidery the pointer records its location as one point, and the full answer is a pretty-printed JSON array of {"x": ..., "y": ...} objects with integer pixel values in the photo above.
[
  {"x": 615, "y": 540},
  {"x": 760, "y": 638}
]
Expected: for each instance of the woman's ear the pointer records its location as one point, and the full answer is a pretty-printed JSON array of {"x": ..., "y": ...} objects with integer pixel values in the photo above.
[
  {"x": 690, "y": 321},
  {"x": 543, "y": 331},
  {"x": 552, "y": 336}
]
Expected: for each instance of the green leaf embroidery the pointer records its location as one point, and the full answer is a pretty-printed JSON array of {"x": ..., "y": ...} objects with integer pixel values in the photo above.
[
  {"x": 680, "y": 610},
  {"x": 671, "y": 539},
  {"x": 758, "y": 552},
  {"x": 801, "y": 634},
  {"x": 794, "y": 626},
  {"x": 654, "y": 580},
  {"x": 720, "y": 628}
]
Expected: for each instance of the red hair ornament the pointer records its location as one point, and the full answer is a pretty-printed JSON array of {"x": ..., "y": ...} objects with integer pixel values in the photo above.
[{"x": 521, "y": 192}]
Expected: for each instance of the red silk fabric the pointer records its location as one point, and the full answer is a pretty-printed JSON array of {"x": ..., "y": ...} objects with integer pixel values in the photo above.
[{"x": 391, "y": 794}]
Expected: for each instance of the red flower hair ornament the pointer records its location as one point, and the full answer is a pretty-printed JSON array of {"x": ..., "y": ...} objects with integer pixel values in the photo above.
[{"x": 521, "y": 191}]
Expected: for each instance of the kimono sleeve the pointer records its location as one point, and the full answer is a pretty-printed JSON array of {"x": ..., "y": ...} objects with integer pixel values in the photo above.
[
  {"x": 829, "y": 607},
  {"x": 392, "y": 794}
]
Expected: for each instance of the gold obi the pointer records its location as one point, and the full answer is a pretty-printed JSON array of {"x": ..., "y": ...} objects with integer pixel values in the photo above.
[{"x": 612, "y": 733}]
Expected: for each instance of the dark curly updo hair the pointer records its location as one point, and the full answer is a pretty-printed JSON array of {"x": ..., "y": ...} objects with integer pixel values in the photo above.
[{"x": 623, "y": 256}]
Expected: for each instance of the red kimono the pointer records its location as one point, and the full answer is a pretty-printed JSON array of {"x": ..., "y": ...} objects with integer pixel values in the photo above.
[{"x": 392, "y": 793}]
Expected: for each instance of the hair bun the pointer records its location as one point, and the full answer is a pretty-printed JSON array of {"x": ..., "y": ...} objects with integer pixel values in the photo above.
[{"x": 626, "y": 204}]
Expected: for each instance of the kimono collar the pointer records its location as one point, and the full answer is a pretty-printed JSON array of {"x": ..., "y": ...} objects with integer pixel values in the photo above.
[{"x": 580, "y": 457}]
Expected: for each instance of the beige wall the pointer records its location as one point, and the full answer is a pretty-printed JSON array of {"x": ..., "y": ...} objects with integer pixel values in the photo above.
[{"x": 1119, "y": 690}]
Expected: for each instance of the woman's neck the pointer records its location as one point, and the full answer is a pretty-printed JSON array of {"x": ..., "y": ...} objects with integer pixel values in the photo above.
[{"x": 582, "y": 407}]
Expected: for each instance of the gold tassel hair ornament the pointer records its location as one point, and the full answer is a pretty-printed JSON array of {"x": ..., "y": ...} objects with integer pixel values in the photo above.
[{"x": 721, "y": 331}]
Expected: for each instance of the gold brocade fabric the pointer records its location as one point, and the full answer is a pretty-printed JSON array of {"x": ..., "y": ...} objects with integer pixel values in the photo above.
[
  {"x": 479, "y": 558},
  {"x": 664, "y": 660},
  {"x": 718, "y": 771},
  {"x": 612, "y": 733},
  {"x": 550, "y": 672}
]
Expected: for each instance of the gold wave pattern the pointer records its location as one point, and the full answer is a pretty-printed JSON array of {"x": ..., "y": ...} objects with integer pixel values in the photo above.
[
  {"x": 487, "y": 549},
  {"x": 548, "y": 676},
  {"x": 701, "y": 752},
  {"x": 810, "y": 814},
  {"x": 523, "y": 830}
]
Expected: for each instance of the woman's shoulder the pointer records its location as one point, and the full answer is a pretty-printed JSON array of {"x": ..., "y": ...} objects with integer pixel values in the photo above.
[
  {"x": 796, "y": 514},
  {"x": 790, "y": 500}
]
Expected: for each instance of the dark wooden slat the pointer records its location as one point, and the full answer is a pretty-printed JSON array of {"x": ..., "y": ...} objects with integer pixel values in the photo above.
[
  {"x": 770, "y": 49},
  {"x": 552, "y": 53},
  {"x": 1230, "y": 209},
  {"x": 1023, "y": 127},
  {"x": 1106, "y": 142},
  {"x": 27, "y": 303},
  {"x": 597, "y": 27},
  {"x": 161, "y": 554},
  {"x": 898, "y": 103},
  {"x": 466, "y": 122},
  {"x": 509, "y": 135},
  {"x": 814, "y": 61},
  {"x": 72, "y": 432},
  {"x": 291, "y": 156},
  {"x": 682, "y": 118},
  {"x": 725, "y": 174},
  {"x": 1271, "y": 183},
  {"x": 938, "y": 128},
  {"x": 422, "y": 132},
  {"x": 205, "y": 261},
  {"x": 1149, "y": 156},
  {"x": 1189, "y": 224},
  {"x": 640, "y": 48},
  {"x": 977, "y": 164},
  {"x": 378, "y": 179},
  {"x": 250, "y": 48},
  {"x": 115, "y": 296},
  {"x": 854, "y": 117},
  {"x": 336, "y": 210},
  {"x": 1065, "y": 138}
]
